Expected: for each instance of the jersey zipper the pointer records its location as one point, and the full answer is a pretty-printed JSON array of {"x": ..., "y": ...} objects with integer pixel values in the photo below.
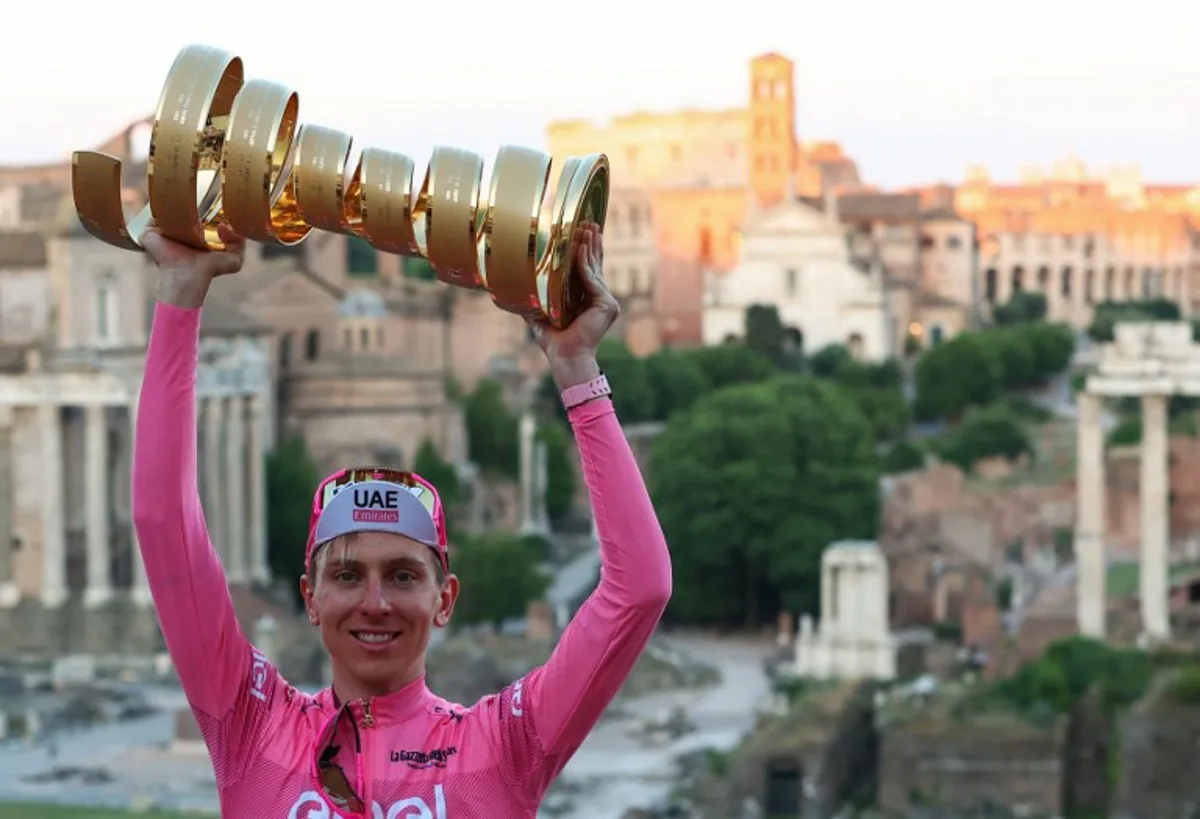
[{"x": 368, "y": 723}]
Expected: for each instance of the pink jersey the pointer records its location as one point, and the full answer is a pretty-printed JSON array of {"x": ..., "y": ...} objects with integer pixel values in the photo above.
[{"x": 422, "y": 757}]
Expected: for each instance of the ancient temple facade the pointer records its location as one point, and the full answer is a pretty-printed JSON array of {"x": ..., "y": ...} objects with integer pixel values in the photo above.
[
  {"x": 853, "y": 639},
  {"x": 74, "y": 321}
]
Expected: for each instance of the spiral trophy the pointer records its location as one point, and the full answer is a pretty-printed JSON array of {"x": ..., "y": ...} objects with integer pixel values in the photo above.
[{"x": 227, "y": 149}]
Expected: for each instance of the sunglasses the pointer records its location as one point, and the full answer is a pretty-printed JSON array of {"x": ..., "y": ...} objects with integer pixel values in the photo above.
[
  {"x": 336, "y": 787},
  {"x": 411, "y": 482}
]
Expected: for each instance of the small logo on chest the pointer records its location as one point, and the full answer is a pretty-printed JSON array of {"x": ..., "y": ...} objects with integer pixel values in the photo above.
[{"x": 425, "y": 759}]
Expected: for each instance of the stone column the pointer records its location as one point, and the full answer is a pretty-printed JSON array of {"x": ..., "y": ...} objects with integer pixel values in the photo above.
[
  {"x": 139, "y": 589},
  {"x": 1155, "y": 506},
  {"x": 10, "y": 595},
  {"x": 528, "y": 468},
  {"x": 1091, "y": 553},
  {"x": 828, "y": 593},
  {"x": 541, "y": 515},
  {"x": 95, "y": 493},
  {"x": 215, "y": 490},
  {"x": 235, "y": 483},
  {"x": 259, "y": 569},
  {"x": 54, "y": 545}
]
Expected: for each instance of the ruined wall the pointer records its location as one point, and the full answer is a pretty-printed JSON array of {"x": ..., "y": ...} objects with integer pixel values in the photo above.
[
  {"x": 1087, "y": 789},
  {"x": 1155, "y": 763},
  {"x": 806, "y": 763},
  {"x": 965, "y": 764}
]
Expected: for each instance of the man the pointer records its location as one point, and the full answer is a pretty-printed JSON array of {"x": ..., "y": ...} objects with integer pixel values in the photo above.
[{"x": 376, "y": 582}]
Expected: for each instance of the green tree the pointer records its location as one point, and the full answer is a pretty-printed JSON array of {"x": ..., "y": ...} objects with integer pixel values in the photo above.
[
  {"x": 751, "y": 484},
  {"x": 986, "y": 432},
  {"x": 764, "y": 333},
  {"x": 633, "y": 397},
  {"x": 905, "y": 456},
  {"x": 1108, "y": 313},
  {"x": 430, "y": 465},
  {"x": 291, "y": 480},
  {"x": 1015, "y": 353},
  {"x": 560, "y": 473},
  {"x": 727, "y": 364},
  {"x": 962, "y": 372},
  {"x": 500, "y": 575},
  {"x": 493, "y": 437},
  {"x": 1023, "y": 308},
  {"x": 830, "y": 360},
  {"x": 1053, "y": 346},
  {"x": 677, "y": 381},
  {"x": 876, "y": 388}
]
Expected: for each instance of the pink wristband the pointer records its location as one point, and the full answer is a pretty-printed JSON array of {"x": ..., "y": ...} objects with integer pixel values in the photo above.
[{"x": 576, "y": 394}]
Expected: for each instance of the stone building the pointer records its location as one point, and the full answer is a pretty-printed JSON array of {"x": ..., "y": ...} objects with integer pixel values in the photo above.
[
  {"x": 75, "y": 330},
  {"x": 797, "y": 258},
  {"x": 704, "y": 172},
  {"x": 1081, "y": 239}
]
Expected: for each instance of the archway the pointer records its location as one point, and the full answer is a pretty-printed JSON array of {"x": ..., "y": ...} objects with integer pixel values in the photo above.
[
  {"x": 793, "y": 340},
  {"x": 856, "y": 345}
]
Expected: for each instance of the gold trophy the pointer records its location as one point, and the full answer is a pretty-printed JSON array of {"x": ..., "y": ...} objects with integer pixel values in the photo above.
[{"x": 227, "y": 149}]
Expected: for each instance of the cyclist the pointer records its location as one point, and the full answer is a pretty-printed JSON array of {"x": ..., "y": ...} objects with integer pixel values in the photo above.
[{"x": 376, "y": 581}]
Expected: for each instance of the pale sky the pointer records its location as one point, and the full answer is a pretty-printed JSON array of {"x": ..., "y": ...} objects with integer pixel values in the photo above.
[{"x": 915, "y": 90}]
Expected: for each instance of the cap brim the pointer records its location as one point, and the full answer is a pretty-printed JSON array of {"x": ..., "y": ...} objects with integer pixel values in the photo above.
[{"x": 376, "y": 506}]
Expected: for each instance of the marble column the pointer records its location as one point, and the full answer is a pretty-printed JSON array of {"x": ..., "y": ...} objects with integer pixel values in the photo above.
[
  {"x": 10, "y": 595},
  {"x": 1091, "y": 553},
  {"x": 235, "y": 483},
  {"x": 95, "y": 492},
  {"x": 528, "y": 471},
  {"x": 828, "y": 597},
  {"x": 215, "y": 511},
  {"x": 1155, "y": 506},
  {"x": 54, "y": 544},
  {"x": 541, "y": 474},
  {"x": 260, "y": 571},
  {"x": 139, "y": 589}
]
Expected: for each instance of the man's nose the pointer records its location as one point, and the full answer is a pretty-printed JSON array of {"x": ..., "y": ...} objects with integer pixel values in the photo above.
[{"x": 374, "y": 600}]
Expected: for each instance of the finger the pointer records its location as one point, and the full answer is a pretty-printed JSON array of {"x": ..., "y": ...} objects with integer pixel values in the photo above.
[
  {"x": 224, "y": 263},
  {"x": 583, "y": 262},
  {"x": 232, "y": 241},
  {"x": 597, "y": 244},
  {"x": 593, "y": 284},
  {"x": 231, "y": 259},
  {"x": 157, "y": 246}
]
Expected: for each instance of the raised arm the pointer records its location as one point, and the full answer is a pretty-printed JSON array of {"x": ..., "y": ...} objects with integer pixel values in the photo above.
[
  {"x": 211, "y": 655},
  {"x": 546, "y": 715}
]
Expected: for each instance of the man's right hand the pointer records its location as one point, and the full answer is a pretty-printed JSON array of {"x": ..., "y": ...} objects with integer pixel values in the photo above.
[{"x": 184, "y": 273}]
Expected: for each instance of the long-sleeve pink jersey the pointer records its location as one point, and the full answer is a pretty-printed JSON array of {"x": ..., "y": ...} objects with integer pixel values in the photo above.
[{"x": 422, "y": 757}]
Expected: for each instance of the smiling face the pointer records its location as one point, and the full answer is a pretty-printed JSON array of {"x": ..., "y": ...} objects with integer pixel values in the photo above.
[{"x": 376, "y": 596}]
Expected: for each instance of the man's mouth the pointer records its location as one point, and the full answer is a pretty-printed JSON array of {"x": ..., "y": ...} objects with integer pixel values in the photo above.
[{"x": 375, "y": 638}]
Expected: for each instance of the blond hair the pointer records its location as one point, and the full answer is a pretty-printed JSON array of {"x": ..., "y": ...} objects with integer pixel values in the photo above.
[{"x": 321, "y": 557}]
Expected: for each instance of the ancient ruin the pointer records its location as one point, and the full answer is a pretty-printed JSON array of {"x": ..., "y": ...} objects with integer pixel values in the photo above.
[
  {"x": 853, "y": 639},
  {"x": 1154, "y": 361}
]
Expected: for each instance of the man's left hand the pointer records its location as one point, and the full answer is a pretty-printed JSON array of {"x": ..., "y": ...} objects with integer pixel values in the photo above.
[{"x": 572, "y": 350}]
